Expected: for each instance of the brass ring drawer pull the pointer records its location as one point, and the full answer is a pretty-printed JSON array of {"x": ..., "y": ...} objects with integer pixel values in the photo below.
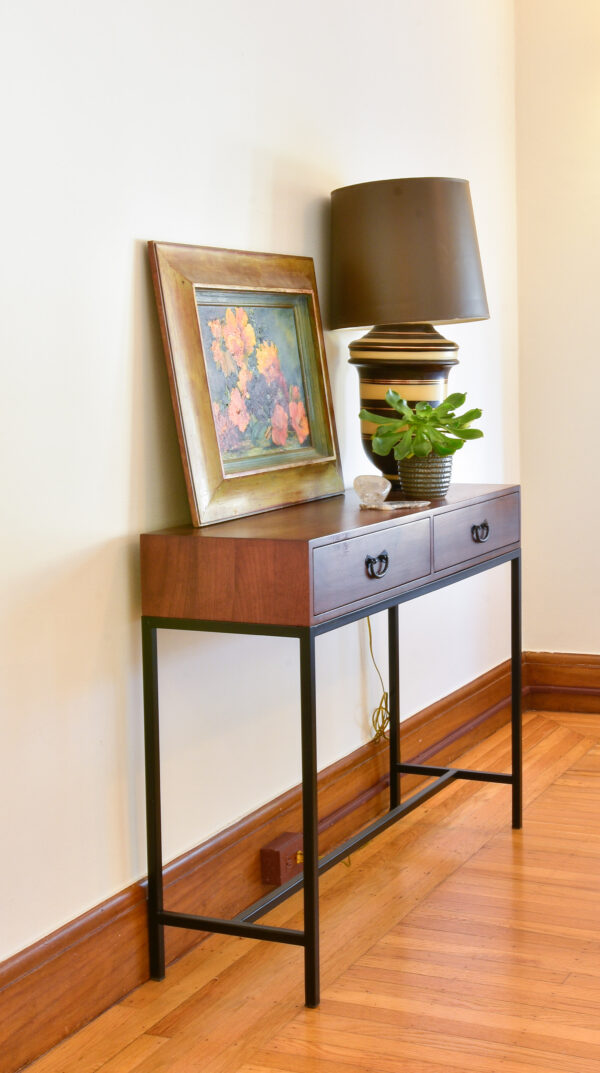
[
  {"x": 480, "y": 533},
  {"x": 377, "y": 565}
]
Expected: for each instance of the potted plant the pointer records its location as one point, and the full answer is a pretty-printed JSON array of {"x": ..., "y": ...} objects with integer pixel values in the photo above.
[{"x": 423, "y": 440}]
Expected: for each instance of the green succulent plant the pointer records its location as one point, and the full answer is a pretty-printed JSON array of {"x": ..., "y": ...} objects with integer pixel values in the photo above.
[{"x": 425, "y": 430}]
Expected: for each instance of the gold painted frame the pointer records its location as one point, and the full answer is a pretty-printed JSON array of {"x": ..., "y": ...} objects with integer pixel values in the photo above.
[{"x": 293, "y": 459}]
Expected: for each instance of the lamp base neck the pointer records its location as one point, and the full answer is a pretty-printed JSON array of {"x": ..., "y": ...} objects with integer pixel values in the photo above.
[{"x": 403, "y": 342}]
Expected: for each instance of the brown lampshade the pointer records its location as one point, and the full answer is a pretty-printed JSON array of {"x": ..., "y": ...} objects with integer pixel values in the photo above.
[{"x": 404, "y": 251}]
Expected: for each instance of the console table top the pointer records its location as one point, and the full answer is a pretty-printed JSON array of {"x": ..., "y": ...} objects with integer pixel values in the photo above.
[
  {"x": 338, "y": 516},
  {"x": 307, "y": 564}
]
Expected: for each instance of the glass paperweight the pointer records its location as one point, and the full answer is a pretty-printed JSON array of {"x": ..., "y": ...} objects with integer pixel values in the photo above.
[{"x": 372, "y": 492}]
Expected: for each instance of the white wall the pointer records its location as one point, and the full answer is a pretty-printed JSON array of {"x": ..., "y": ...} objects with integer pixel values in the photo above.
[
  {"x": 558, "y": 152},
  {"x": 226, "y": 125}
]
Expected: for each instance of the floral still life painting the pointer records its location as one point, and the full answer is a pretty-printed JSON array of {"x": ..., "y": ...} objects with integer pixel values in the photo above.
[
  {"x": 255, "y": 379},
  {"x": 248, "y": 379}
]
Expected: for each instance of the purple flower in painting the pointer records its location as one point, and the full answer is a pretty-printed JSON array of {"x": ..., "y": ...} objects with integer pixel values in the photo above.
[{"x": 227, "y": 435}]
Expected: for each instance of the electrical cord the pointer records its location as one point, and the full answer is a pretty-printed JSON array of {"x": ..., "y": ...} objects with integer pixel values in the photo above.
[{"x": 380, "y": 719}]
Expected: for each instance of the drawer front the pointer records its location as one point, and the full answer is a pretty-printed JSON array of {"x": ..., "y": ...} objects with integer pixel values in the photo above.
[
  {"x": 469, "y": 532},
  {"x": 369, "y": 566}
]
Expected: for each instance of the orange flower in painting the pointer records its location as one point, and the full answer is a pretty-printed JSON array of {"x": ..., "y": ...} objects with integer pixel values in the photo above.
[
  {"x": 222, "y": 357},
  {"x": 238, "y": 414},
  {"x": 216, "y": 328},
  {"x": 238, "y": 334},
  {"x": 279, "y": 425},
  {"x": 244, "y": 379},
  {"x": 267, "y": 360},
  {"x": 298, "y": 416}
]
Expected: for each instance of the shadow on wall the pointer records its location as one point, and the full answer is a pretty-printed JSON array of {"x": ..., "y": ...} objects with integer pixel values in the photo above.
[{"x": 158, "y": 495}]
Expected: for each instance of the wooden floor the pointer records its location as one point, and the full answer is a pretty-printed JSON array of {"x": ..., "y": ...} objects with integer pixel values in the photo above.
[{"x": 451, "y": 943}]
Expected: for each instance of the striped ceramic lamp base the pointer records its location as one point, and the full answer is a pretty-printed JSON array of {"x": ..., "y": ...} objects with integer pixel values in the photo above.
[{"x": 413, "y": 360}]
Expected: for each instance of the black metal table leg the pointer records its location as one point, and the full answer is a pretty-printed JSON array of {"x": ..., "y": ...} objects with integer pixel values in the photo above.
[
  {"x": 517, "y": 750},
  {"x": 156, "y": 939},
  {"x": 394, "y": 702},
  {"x": 310, "y": 819}
]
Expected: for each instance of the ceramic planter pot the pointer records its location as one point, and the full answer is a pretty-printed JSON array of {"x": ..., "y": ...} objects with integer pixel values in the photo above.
[{"x": 425, "y": 478}]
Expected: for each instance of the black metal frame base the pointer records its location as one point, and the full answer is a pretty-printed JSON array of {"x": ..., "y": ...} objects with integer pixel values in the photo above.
[{"x": 243, "y": 924}]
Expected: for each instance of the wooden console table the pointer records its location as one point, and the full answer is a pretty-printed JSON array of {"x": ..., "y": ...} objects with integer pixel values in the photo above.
[{"x": 300, "y": 572}]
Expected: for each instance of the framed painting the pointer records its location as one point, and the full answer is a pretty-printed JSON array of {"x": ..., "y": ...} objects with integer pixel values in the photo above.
[{"x": 248, "y": 376}]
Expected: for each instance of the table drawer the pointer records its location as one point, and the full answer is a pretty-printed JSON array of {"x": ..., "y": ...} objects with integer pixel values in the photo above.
[
  {"x": 361, "y": 567},
  {"x": 467, "y": 533}
]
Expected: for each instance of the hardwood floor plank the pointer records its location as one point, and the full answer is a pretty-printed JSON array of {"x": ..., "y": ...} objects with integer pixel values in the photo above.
[
  {"x": 539, "y": 999},
  {"x": 565, "y": 953},
  {"x": 457, "y": 1012},
  {"x": 492, "y": 942},
  {"x": 587, "y": 724},
  {"x": 382, "y": 1039},
  {"x": 590, "y": 762},
  {"x": 271, "y": 1062},
  {"x": 436, "y": 964},
  {"x": 129, "y": 1059}
]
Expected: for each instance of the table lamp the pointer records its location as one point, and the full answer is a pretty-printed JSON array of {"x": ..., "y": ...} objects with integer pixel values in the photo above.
[{"x": 404, "y": 256}]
